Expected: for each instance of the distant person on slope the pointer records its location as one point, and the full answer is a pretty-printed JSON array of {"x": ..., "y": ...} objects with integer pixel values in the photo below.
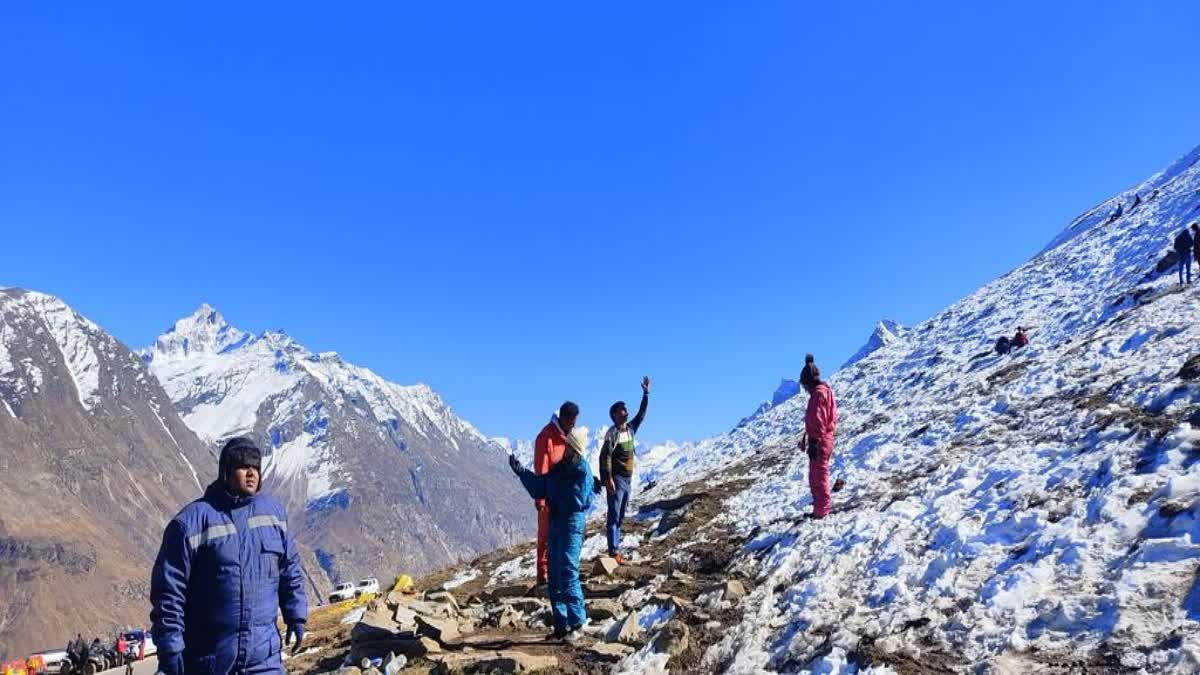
[
  {"x": 1184, "y": 248},
  {"x": 226, "y": 567},
  {"x": 616, "y": 466},
  {"x": 567, "y": 491},
  {"x": 820, "y": 426},
  {"x": 548, "y": 450},
  {"x": 1020, "y": 339},
  {"x": 1196, "y": 242}
]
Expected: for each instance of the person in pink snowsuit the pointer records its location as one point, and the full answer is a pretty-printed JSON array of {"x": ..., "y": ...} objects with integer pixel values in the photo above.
[{"x": 820, "y": 425}]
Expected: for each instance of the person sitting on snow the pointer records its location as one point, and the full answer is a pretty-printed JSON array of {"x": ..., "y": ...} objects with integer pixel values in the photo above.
[
  {"x": 567, "y": 490},
  {"x": 1020, "y": 339}
]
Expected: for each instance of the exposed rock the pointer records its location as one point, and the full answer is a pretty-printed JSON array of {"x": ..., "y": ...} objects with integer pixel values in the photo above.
[
  {"x": 595, "y": 589},
  {"x": 730, "y": 591},
  {"x": 682, "y": 577},
  {"x": 526, "y": 605},
  {"x": 442, "y": 630},
  {"x": 372, "y": 671},
  {"x": 504, "y": 661},
  {"x": 347, "y": 670},
  {"x": 512, "y": 591},
  {"x": 1191, "y": 368},
  {"x": 609, "y": 651},
  {"x": 429, "y": 646},
  {"x": 626, "y": 630},
  {"x": 604, "y": 567},
  {"x": 672, "y": 639},
  {"x": 444, "y": 598},
  {"x": 404, "y": 616},
  {"x": 433, "y": 610},
  {"x": 505, "y": 617},
  {"x": 373, "y": 627},
  {"x": 603, "y": 609}
]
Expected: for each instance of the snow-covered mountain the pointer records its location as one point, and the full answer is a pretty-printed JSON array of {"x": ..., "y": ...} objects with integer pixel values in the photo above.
[
  {"x": 886, "y": 333},
  {"x": 1001, "y": 513},
  {"x": 94, "y": 462},
  {"x": 786, "y": 389},
  {"x": 377, "y": 475}
]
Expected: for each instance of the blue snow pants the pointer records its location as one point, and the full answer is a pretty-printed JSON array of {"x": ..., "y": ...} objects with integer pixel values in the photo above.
[{"x": 566, "y": 595}]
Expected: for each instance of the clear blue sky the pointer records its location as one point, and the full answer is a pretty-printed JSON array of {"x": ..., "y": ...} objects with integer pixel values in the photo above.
[{"x": 519, "y": 203}]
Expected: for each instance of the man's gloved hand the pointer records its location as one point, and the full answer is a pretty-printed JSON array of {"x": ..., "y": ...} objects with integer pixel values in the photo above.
[
  {"x": 295, "y": 630},
  {"x": 596, "y": 485},
  {"x": 514, "y": 464},
  {"x": 170, "y": 664}
]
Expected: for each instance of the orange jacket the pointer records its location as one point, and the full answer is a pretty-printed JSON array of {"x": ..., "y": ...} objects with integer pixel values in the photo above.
[{"x": 548, "y": 450}]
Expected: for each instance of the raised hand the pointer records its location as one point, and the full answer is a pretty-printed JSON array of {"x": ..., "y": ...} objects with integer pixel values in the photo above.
[
  {"x": 646, "y": 384},
  {"x": 514, "y": 464}
]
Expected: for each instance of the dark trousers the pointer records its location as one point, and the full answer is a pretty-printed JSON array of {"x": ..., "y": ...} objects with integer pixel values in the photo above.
[{"x": 618, "y": 501}]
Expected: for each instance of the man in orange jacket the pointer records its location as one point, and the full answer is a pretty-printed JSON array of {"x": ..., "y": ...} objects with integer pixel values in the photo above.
[{"x": 548, "y": 450}]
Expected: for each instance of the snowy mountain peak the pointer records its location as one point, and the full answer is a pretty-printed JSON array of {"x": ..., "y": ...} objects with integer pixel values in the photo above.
[
  {"x": 204, "y": 331},
  {"x": 886, "y": 332}
]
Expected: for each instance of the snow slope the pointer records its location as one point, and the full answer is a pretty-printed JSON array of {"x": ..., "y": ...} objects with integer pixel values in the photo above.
[{"x": 1000, "y": 512}]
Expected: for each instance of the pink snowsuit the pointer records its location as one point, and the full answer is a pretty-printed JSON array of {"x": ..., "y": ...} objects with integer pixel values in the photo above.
[{"x": 820, "y": 421}]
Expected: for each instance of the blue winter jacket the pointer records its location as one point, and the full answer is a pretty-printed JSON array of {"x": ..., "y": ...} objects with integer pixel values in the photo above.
[
  {"x": 226, "y": 567},
  {"x": 567, "y": 488}
]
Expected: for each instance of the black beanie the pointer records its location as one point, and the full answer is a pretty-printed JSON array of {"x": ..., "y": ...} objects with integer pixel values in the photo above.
[
  {"x": 238, "y": 451},
  {"x": 810, "y": 376}
]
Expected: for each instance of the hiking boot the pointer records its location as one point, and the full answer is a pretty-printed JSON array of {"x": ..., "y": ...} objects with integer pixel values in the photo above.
[
  {"x": 573, "y": 637},
  {"x": 557, "y": 635},
  {"x": 620, "y": 559}
]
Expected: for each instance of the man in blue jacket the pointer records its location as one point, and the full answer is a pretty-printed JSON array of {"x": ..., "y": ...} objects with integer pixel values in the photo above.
[
  {"x": 568, "y": 490},
  {"x": 226, "y": 567}
]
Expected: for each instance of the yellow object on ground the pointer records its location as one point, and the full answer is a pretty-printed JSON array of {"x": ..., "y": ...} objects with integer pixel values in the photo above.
[{"x": 404, "y": 583}]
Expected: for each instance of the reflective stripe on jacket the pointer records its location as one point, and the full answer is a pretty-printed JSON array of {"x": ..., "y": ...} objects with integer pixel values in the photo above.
[{"x": 226, "y": 567}]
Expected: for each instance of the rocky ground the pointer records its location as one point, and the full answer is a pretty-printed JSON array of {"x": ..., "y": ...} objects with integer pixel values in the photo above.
[{"x": 658, "y": 612}]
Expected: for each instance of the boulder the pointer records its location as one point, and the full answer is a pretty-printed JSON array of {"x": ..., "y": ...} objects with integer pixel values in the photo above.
[
  {"x": 347, "y": 670},
  {"x": 672, "y": 639},
  {"x": 373, "y": 627},
  {"x": 603, "y": 609},
  {"x": 442, "y": 630},
  {"x": 404, "y": 616},
  {"x": 604, "y": 567},
  {"x": 372, "y": 671}
]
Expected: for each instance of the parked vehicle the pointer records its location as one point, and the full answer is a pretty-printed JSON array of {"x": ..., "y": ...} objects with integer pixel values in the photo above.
[
  {"x": 367, "y": 586},
  {"x": 55, "y": 661},
  {"x": 342, "y": 592},
  {"x": 134, "y": 638}
]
